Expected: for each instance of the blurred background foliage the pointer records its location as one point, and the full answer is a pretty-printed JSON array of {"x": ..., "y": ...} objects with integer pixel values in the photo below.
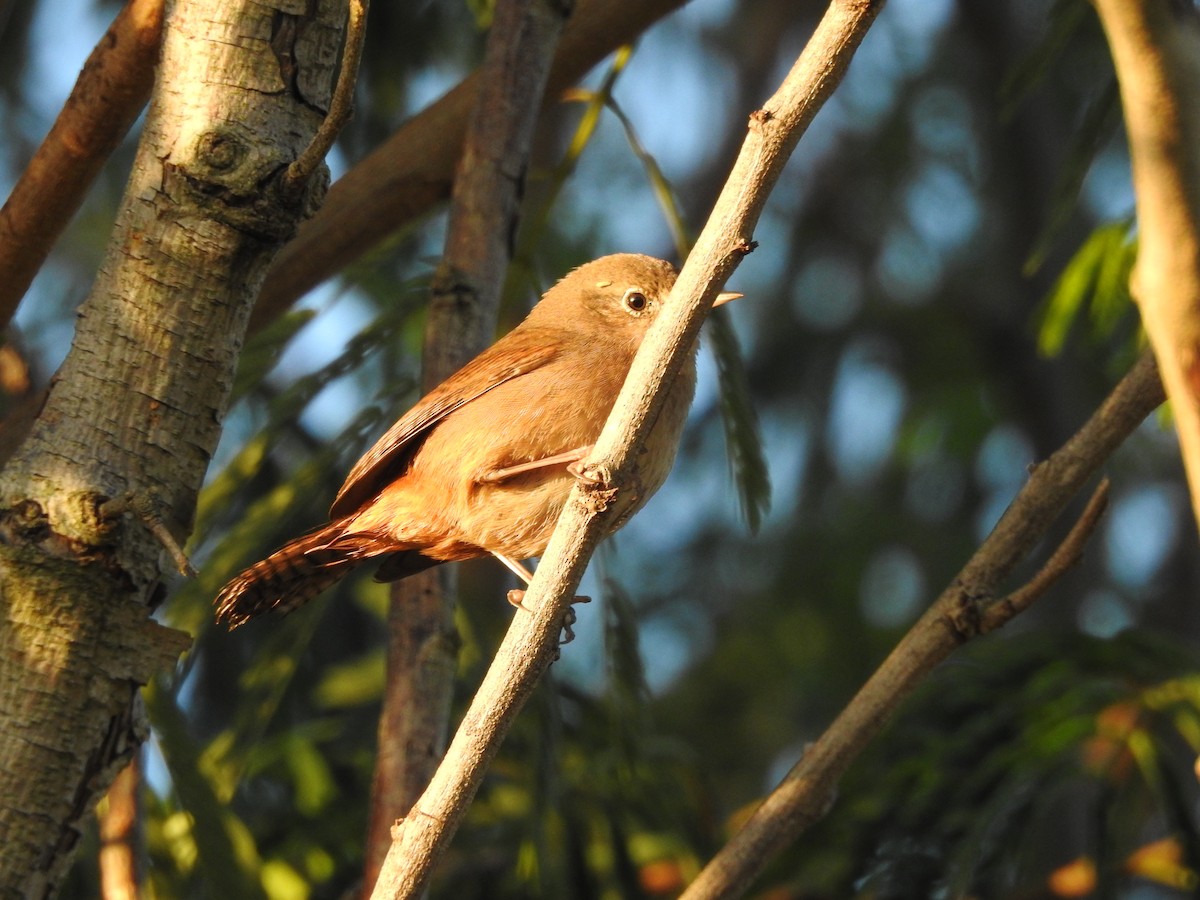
[{"x": 938, "y": 299}]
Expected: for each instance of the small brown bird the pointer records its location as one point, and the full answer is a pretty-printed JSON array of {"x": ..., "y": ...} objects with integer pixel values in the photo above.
[{"x": 484, "y": 462}]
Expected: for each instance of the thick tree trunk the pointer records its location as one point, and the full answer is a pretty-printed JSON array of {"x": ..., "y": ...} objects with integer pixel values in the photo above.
[{"x": 136, "y": 408}]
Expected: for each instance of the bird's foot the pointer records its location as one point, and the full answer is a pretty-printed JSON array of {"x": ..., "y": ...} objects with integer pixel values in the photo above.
[
  {"x": 516, "y": 597},
  {"x": 590, "y": 475},
  {"x": 596, "y": 482}
]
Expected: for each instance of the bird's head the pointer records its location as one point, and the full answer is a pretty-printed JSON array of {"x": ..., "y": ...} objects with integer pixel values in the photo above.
[{"x": 614, "y": 298}]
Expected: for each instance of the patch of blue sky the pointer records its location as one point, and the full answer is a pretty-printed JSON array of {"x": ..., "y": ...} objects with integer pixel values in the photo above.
[{"x": 866, "y": 408}]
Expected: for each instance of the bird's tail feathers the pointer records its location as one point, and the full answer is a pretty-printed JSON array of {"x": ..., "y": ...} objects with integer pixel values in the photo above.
[{"x": 296, "y": 573}]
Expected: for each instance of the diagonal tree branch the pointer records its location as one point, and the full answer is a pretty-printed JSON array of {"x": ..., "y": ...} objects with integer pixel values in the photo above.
[
  {"x": 530, "y": 644},
  {"x": 965, "y": 609},
  {"x": 110, "y": 92}
]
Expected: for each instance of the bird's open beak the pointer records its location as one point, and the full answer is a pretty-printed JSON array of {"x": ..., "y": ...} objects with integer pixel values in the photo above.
[{"x": 725, "y": 297}]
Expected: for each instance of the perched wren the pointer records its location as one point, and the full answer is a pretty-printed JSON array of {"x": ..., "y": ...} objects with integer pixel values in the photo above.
[{"x": 483, "y": 464}]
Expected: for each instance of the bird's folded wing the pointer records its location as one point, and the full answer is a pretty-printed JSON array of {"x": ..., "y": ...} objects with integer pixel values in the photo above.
[{"x": 520, "y": 352}]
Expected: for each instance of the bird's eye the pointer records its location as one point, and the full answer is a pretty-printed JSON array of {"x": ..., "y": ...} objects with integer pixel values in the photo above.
[{"x": 635, "y": 301}]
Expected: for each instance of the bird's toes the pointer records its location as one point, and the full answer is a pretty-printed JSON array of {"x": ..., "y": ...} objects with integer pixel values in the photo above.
[{"x": 516, "y": 597}]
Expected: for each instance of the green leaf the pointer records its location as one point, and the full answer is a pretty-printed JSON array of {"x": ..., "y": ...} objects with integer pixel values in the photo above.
[
  {"x": 743, "y": 442},
  {"x": 663, "y": 191},
  {"x": 1096, "y": 279},
  {"x": 584, "y": 132},
  {"x": 354, "y": 683},
  {"x": 264, "y": 348},
  {"x": 282, "y": 882},
  {"x": 313, "y": 780},
  {"x": 1065, "y": 17}
]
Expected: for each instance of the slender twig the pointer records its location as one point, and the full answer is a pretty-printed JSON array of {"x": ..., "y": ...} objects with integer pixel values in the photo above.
[
  {"x": 108, "y": 95},
  {"x": 341, "y": 104},
  {"x": 530, "y": 644},
  {"x": 1066, "y": 556},
  {"x": 148, "y": 506},
  {"x": 960, "y": 613},
  {"x": 466, "y": 290}
]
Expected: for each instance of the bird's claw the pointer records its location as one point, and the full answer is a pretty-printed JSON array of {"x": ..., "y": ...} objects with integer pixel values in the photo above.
[
  {"x": 590, "y": 475},
  {"x": 569, "y": 619}
]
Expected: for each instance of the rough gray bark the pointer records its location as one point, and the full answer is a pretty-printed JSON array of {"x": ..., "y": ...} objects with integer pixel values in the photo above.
[{"x": 136, "y": 408}]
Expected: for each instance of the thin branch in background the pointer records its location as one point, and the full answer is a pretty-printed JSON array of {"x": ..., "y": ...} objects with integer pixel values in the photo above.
[
  {"x": 465, "y": 299},
  {"x": 118, "y": 820},
  {"x": 108, "y": 95},
  {"x": 530, "y": 644},
  {"x": 341, "y": 104},
  {"x": 960, "y": 613}
]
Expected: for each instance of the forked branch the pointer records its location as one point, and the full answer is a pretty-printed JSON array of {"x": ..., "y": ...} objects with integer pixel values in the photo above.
[{"x": 964, "y": 610}]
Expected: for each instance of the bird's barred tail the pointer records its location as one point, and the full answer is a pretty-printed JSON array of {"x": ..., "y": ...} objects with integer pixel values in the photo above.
[{"x": 287, "y": 579}]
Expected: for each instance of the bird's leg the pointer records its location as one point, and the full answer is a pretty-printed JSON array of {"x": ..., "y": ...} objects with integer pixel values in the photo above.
[
  {"x": 517, "y": 596},
  {"x": 572, "y": 457}
]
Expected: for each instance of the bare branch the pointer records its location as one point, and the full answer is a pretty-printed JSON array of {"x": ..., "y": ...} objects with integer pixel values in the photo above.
[
  {"x": 960, "y": 613},
  {"x": 150, "y": 509},
  {"x": 110, "y": 92},
  {"x": 531, "y": 642}
]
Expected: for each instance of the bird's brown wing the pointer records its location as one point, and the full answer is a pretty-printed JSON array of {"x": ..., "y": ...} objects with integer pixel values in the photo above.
[{"x": 518, "y": 353}]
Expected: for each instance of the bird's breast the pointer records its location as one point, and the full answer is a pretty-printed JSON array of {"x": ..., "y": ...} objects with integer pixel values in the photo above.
[{"x": 558, "y": 408}]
